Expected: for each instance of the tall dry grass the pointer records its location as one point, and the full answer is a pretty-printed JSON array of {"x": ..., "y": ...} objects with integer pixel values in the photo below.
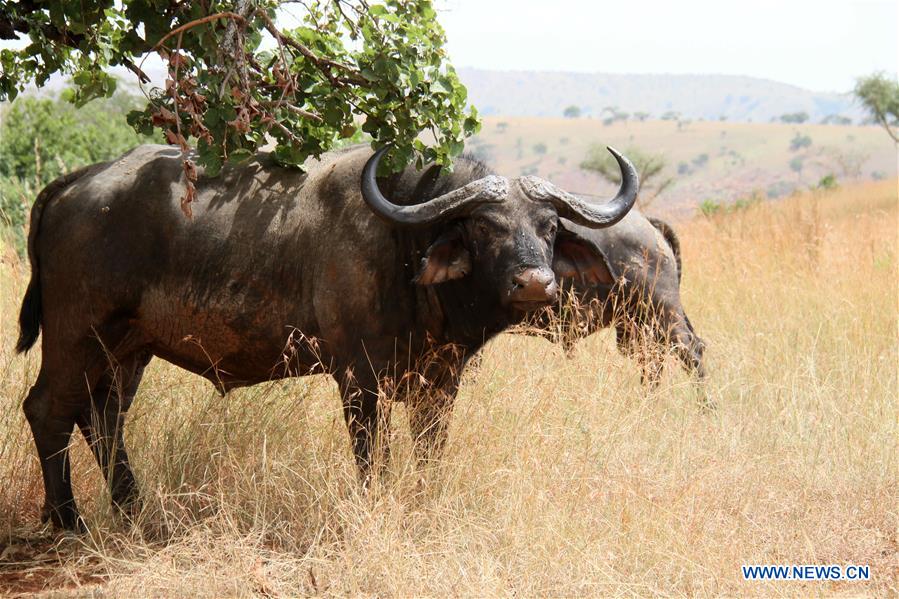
[{"x": 562, "y": 476}]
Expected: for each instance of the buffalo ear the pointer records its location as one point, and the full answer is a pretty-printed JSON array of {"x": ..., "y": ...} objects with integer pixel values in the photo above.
[
  {"x": 446, "y": 259},
  {"x": 578, "y": 258}
]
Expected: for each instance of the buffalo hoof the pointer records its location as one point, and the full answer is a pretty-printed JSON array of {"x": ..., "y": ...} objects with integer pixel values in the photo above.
[{"x": 64, "y": 517}]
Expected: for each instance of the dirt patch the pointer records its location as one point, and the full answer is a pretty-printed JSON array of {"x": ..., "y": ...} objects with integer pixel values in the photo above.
[{"x": 32, "y": 564}]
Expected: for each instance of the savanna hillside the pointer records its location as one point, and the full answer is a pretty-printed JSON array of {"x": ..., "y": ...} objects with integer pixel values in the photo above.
[
  {"x": 562, "y": 476},
  {"x": 720, "y": 161}
]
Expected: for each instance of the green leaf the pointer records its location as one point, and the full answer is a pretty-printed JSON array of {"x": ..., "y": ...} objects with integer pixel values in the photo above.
[
  {"x": 397, "y": 80},
  {"x": 240, "y": 155}
]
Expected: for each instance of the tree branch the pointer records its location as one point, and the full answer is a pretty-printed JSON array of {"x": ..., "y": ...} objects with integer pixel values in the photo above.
[
  {"x": 287, "y": 132},
  {"x": 886, "y": 125},
  {"x": 323, "y": 64},
  {"x": 201, "y": 21},
  {"x": 295, "y": 109},
  {"x": 141, "y": 76}
]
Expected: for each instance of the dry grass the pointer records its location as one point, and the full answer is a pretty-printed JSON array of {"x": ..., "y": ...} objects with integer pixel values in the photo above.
[{"x": 562, "y": 477}]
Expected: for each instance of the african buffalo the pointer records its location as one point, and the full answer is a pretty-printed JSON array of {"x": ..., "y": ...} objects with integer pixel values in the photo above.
[
  {"x": 281, "y": 273},
  {"x": 635, "y": 288}
]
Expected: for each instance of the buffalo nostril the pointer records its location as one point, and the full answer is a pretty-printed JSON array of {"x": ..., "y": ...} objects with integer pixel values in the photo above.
[
  {"x": 533, "y": 277},
  {"x": 534, "y": 285},
  {"x": 552, "y": 289}
]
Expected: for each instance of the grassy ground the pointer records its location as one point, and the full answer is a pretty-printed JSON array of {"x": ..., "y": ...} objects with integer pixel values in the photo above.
[{"x": 562, "y": 476}]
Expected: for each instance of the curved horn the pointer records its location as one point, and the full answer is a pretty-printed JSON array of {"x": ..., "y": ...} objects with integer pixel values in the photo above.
[
  {"x": 588, "y": 214},
  {"x": 488, "y": 189}
]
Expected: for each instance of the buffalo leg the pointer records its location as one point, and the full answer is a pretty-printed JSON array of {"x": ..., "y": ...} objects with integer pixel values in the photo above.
[
  {"x": 690, "y": 349},
  {"x": 52, "y": 418},
  {"x": 71, "y": 367},
  {"x": 102, "y": 425},
  {"x": 429, "y": 414},
  {"x": 633, "y": 344},
  {"x": 651, "y": 370},
  {"x": 364, "y": 415}
]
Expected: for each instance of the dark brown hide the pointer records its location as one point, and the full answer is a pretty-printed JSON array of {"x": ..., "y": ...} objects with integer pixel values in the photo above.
[{"x": 636, "y": 290}]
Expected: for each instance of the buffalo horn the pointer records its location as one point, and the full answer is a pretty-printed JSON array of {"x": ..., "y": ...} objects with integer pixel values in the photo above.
[
  {"x": 487, "y": 189},
  {"x": 588, "y": 214}
]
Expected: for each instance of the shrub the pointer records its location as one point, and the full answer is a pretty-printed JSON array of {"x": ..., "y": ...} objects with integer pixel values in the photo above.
[
  {"x": 709, "y": 207},
  {"x": 827, "y": 182},
  {"x": 794, "y": 117},
  {"x": 799, "y": 142}
]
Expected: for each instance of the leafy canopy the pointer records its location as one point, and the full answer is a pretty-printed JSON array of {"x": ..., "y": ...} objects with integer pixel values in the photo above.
[
  {"x": 236, "y": 79},
  {"x": 879, "y": 94}
]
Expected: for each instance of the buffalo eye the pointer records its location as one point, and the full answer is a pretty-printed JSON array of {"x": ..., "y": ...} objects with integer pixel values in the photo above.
[
  {"x": 549, "y": 230},
  {"x": 482, "y": 226}
]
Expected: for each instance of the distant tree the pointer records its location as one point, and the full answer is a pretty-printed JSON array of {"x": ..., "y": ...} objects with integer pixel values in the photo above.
[
  {"x": 879, "y": 93},
  {"x": 700, "y": 160},
  {"x": 796, "y": 165},
  {"x": 671, "y": 115},
  {"x": 42, "y": 138},
  {"x": 683, "y": 168},
  {"x": 836, "y": 119},
  {"x": 540, "y": 148},
  {"x": 794, "y": 117},
  {"x": 779, "y": 189},
  {"x": 722, "y": 118},
  {"x": 651, "y": 167},
  {"x": 641, "y": 116},
  {"x": 827, "y": 182},
  {"x": 845, "y": 161},
  {"x": 502, "y": 126},
  {"x": 615, "y": 115},
  {"x": 572, "y": 112},
  {"x": 799, "y": 142}
]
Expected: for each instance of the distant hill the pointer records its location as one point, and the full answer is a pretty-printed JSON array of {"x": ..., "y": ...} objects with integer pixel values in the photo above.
[
  {"x": 709, "y": 160},
  {"x": 707, "y": 97}
]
